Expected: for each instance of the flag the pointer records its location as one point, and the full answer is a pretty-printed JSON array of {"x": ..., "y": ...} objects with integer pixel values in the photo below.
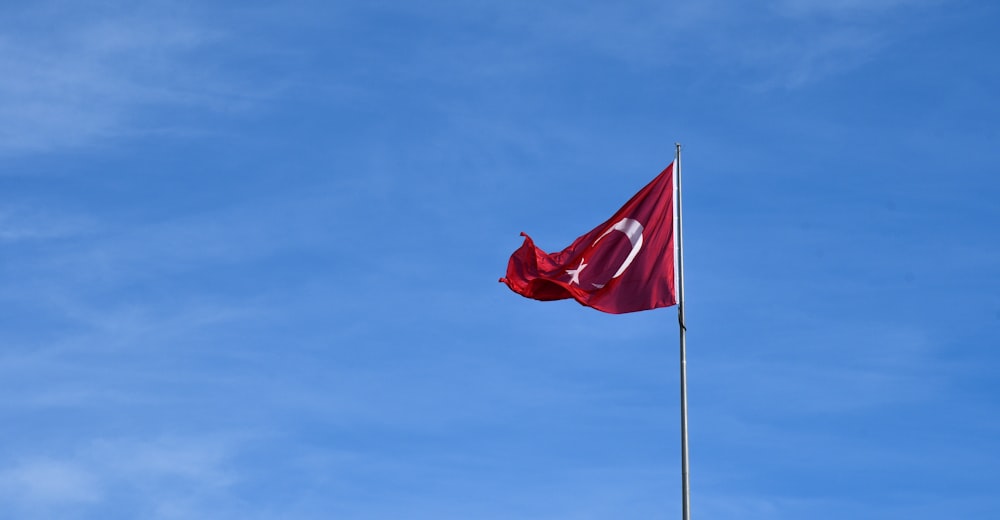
[{"x": 624, "y": 265}]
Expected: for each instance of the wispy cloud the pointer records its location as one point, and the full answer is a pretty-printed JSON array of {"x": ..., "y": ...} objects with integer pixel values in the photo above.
[
  {"x": 795, "y": 61},
  {"x": 842, "y": 7},
  {"x": 88, "y": 76},
  {"x": 49, "y": 481},
  {"x": 160, "y": 475},
  {"x": 21, "y": 222},
  {"x": 783, "y": 44}
]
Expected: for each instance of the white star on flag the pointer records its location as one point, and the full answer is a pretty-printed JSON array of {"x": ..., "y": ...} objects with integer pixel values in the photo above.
[{"x": 575, "y": 273}]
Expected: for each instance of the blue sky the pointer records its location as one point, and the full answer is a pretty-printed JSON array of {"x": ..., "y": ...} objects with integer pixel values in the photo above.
[{"x": 250, "y": 254}]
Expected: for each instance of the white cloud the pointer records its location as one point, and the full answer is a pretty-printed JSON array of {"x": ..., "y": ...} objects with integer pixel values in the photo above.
[
  {"x": 49, "y": 481},
  {"x": 161, "y": 474},
  {"x": 19, "y": 223},
  {"x": 87, "y": 75},
  {"x": 193, "y": 462},
  {"x": 840, "y": 7},
  {"x": 784, "y": 44},
  {"x": 796, "y": 61}
]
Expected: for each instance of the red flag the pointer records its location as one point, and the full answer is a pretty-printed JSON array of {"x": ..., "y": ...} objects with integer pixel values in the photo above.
[{"x": 624, "y": 265}]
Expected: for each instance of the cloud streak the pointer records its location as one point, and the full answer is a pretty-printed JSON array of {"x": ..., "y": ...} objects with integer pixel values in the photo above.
[
  {"x": 90, "y": 78},
  {"x": 153, "y": 477}
]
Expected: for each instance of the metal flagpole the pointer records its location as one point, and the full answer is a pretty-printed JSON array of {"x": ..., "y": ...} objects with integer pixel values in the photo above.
[{"x": 679, "y": 255}]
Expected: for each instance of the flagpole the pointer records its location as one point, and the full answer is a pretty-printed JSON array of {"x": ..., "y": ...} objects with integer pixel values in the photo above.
[{"x": 685, "y": 489}]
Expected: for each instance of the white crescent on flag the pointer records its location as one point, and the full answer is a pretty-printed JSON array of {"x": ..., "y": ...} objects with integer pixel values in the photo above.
[{"x": 633, "y": 230}]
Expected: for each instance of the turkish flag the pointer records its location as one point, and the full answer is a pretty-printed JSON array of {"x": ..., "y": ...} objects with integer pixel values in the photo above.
[{"x": 624, "y": 265}]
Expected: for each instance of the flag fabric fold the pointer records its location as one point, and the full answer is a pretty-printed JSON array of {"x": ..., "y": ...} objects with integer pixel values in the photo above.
[{"x": 624, "y": 265}]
